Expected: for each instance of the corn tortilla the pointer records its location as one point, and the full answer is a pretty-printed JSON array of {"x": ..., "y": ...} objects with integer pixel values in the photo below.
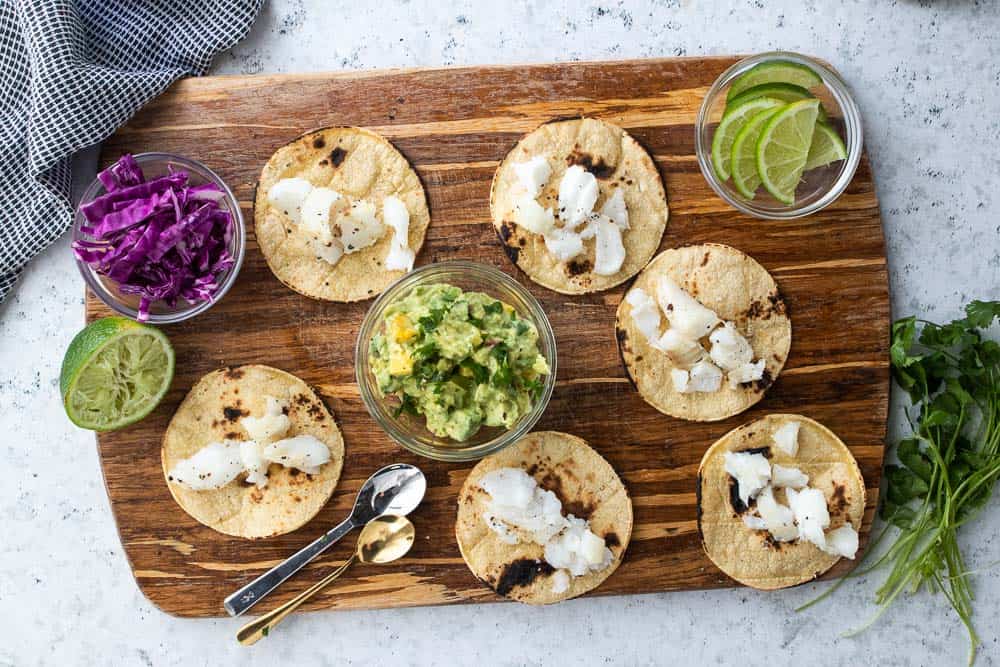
[
  {"x": 751, "y": 557},
  {"x": 359, "y": 164},
  {"x": 738, "y": 289},
  {"x": 588, "y": 487},
  {"x": 211, "y": 412},
  {"x": 619, "y": 162}
]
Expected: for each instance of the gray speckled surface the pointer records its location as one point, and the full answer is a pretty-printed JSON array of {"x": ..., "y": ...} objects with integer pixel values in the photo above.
[{"x": 927, "y": 77}]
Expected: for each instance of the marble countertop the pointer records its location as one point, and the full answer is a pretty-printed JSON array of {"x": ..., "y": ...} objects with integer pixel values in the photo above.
[{"x": 927, "y": 78}]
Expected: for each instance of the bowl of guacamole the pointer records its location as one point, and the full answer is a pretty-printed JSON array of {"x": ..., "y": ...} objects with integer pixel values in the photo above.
[{"x": 456, "y": 361}]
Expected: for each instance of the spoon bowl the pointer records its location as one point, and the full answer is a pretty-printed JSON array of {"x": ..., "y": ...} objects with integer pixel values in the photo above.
[
  {"x": 395, "y": 489},
  {"x": 385, "y": 539}
]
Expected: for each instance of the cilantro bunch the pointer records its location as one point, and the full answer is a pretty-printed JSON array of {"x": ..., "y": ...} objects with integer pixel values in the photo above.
[{"x": 950, "y": 461}]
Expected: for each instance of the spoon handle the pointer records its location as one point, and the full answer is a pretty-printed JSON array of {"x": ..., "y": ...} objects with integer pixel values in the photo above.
[
  {"x": 246, "y": 597},
  {"x": 260, "y": 627}
]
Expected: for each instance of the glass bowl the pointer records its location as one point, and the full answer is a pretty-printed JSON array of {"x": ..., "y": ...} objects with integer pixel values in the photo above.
[
  {"x": 155, "y": 165},
  {"x": 411, "y": 431},
  {"x": 819, "y": 187}
]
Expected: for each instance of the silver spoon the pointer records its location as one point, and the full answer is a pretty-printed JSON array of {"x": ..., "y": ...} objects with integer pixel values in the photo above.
[
  {"x": 383, "y": 540},
  {"x": 395, "y": 489}
]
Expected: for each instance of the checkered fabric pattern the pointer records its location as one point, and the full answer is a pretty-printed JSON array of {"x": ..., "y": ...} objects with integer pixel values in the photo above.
[{"x": 71, "y": 72}]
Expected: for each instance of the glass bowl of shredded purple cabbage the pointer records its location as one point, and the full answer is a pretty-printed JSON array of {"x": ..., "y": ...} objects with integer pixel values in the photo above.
[{"x": 158, "y": 237}]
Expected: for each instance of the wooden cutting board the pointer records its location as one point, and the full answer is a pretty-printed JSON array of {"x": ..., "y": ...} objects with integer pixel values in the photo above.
[{"x": 454, "y": 125}]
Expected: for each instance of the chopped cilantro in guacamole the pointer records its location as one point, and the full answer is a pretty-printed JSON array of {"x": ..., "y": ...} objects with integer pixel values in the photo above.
[{"x": 463, "y": 360}]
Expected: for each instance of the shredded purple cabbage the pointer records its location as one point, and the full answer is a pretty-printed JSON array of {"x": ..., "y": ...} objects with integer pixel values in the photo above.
[{"x": 162, "y": 240}]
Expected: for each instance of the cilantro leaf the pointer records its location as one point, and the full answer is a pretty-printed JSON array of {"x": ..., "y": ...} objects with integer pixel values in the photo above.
[
  {"x": 980, "y": 314},
  {"x": 494, "y": 308}
]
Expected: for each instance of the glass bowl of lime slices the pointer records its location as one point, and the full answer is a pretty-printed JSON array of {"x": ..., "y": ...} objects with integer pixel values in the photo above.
[{"x": 779, "y": 136}]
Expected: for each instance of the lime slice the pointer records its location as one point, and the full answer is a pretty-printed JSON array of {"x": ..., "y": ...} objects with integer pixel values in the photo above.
[
  {"x": 114, "y": 373},
  {"x": 783, "y": 146},
  {"x": 775, "y": 71},
  {"x": 731, "y": 123},
  {"x": 827, "y": 147},
  {"x": 744, "y": 155},
  {"x": 786, "y": 92}
]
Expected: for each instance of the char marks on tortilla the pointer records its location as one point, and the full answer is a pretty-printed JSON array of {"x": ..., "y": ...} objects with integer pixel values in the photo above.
[
  {"x": 738, "y": 289},
  {"x": 211, "y": 412},
  {"x": 753, "y": 557},
  {"x": 618, "y": 162},
  {"x": 582, "y": 480},
  {"x": 360, "y": 165}
]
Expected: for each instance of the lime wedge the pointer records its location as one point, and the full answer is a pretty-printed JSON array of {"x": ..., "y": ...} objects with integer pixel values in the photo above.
[
  {"x": 786, "y": 92},
  {"x": 744, "y": 155},
  {"x": 775, "y": 71},
  {"x": 827, "y": 147},
  {"x": 731, "y": 123},
  {"x": 114, "y": 373},
  {"x": 783, "y": 147}
]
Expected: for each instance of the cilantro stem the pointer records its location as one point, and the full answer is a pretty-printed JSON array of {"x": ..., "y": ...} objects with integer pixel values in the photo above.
[{"x": 949, "y": 465}]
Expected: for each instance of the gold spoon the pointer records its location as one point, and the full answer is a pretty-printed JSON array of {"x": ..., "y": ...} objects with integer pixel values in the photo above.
[{"x": 383, "y": 540}]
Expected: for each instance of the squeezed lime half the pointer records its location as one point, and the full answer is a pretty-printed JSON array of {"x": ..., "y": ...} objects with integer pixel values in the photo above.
[
  {"x": 114, "y": 373},
  {"x": 783, "y": 147}
]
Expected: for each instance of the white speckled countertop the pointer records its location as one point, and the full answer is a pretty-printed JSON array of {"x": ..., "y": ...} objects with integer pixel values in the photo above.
[{"x": 927, "y": 78}]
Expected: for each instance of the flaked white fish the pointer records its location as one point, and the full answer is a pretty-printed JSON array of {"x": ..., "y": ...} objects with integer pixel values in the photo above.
[
  {"x": 752, "y": 472},
  {"x": 533, "y": 174},
  {"x": 782, "y": 476},
  {"x": 578, "y": 192},
  {"x": 685, "y": 313},
  {"x": 778, "y": 518},
  {"x": 517, "y": 501},
  {"x": 609, "y": 251},
  {"x": 683, "y": 351},
  {"x": 288, "y": 194},
  {"x": 560, "y": 581},
  {"x": 211, "y": 467},
  {"x": 303, "y": 452},
  {"x": 645, "y": 314},
  {"x": 786, "y": 438},
  {"x": 315, "y": 215},
  {"x": 577, "y": 549},
  {"x": 270, "y": 426},
  {"x": 811, "y": 514},
  {"x": 680, "y": 379},
  {"x": 530, "y": 215},
  {"x": 615, "y": 209},
  {"x": 563, "y": 244},
  {"x": 359, "y": 228},
  {"x": 397, "y": 218},
  {"x": 842, "y": 542},
  {"x": 730, "y": 349},
  {"x": 518, "y": 508},
  {"x": 252, "y": 456},
  {"x": 751, "y": 372},
  {"x": 704, "y": 377}
]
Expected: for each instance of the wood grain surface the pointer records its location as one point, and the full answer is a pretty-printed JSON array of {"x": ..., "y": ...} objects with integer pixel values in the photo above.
[{"x": 455, "y": 125}]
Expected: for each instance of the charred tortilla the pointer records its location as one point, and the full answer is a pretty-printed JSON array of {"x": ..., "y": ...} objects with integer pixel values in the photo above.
[
  {"x": 588, "y": 487},
  {"x": 738, "y": 289},
  {"x": 359, "y": 164},
  {"x": 751, "y": 557},
  {"x": 211, "y": 412},
  {"x": 618, "y": 162}
]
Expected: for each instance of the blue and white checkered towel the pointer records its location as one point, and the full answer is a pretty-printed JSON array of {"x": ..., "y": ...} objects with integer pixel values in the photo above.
[{"x": 71, "y": 72}]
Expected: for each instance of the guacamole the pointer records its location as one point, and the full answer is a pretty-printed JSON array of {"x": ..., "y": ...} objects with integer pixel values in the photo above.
[{"x": 463, "y": 360}]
